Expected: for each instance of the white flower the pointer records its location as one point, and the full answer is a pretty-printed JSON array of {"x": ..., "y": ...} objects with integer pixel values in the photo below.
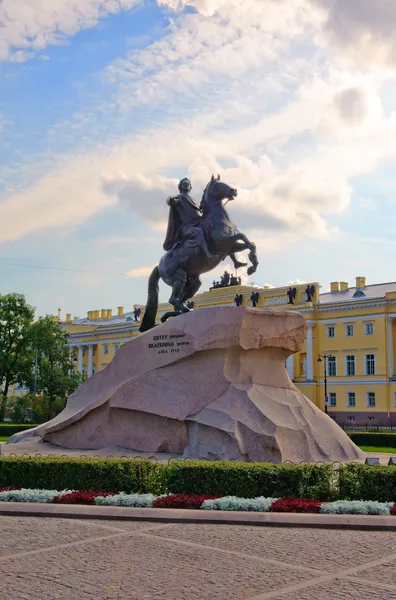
[
  {"x": 26, "y": 495},
  {"x": 260, "y": 504},
  {"x": 123, "y": 499},
  {"x": 356, "y": 507}
]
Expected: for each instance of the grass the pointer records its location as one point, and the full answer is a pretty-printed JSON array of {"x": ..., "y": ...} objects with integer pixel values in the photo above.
[
  {"x": 3, "y": 438},
  {"x": 378, "y": 449}
]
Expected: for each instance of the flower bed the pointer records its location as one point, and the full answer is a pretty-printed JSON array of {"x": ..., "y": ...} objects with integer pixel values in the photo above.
[
  {"x": 123, "y": 499},
  {"x": 299, "y": 505},
  {"x": 180, "y": 501},
  {"x": 357, "y": 507},
  {"x": 27, "y": 495},
  {"x": 80, "y": 497},
  {"x": 225, "y": 503},
  {"x": 241, "y": 504}
]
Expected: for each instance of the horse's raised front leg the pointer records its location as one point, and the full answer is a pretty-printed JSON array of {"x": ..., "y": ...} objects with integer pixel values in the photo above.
[
  {"x": 246, "y": 245},
  {"x": 237, "y": 264}
]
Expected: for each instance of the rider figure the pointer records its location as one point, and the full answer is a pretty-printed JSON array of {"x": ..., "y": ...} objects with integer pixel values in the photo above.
[{"x": 184, "y": 222}]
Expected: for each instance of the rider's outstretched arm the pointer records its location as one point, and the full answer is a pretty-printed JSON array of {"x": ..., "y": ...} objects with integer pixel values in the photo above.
[{"x": 171, "y": 201}]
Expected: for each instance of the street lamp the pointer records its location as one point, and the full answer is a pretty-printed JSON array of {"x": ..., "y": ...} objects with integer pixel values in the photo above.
[
  {"x": 35, "y": 371},
  {"x": 323, "y": 358}
]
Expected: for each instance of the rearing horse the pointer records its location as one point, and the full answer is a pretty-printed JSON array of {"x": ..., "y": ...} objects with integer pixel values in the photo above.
[{"x": 181, "y": 267}]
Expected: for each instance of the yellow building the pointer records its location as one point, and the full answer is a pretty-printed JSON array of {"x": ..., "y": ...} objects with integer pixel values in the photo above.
[{"x": 350, "y": 335}]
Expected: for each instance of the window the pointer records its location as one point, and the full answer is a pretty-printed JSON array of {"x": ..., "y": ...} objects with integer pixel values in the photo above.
[
  {"x": 116, "y": 348},
  {"x": 105, "y": 349},
  {"x": 349, "y": 330},
  {"x": 370, "y": 364},
  {"x": 333, "y": 399},
  {"x": 332, "y": 366},
  {"x": 351, "y": 399},
  {"x": 331, "y": 331},
  {"x": 371, "y": 418},
  {"x": 350, "y": 369},
  {"x": 370, "y": 398},
  {"x": 351, "y": 418},
  {"x": 369, "y": 328}
]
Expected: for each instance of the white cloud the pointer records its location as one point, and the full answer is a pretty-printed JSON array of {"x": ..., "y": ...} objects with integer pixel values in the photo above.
[
  {"x": 29, "y": 26},
  {"x": 364, "y": 29},
  {"x": 293, "y": 161},
  {"x": 295, "y": 282},
  {"x": 140, "y": 272},
  {"x": 275, "y": 195},
  {"x": 63, "y": 198},
  {"x": 195, "y": 57}
]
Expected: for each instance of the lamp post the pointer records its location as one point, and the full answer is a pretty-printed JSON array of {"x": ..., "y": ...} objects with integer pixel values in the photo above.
[
  {"x": 323, "y": 358},
  {"x": 35, "y": 371}
]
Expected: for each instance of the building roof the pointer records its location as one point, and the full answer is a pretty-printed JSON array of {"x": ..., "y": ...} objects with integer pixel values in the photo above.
[
  {"x": 126, "y": 319},
  {"x": 377, "y": 290}
]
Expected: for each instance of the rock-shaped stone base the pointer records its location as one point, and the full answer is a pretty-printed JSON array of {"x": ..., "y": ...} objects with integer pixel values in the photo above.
[{"x": 208, "y": 384}]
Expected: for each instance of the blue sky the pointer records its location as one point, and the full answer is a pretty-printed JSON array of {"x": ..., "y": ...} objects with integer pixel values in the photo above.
[{"x": 106, "y": 104}]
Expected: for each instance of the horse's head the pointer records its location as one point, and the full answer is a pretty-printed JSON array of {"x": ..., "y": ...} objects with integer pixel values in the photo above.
[{"x": 217, "y": 190}]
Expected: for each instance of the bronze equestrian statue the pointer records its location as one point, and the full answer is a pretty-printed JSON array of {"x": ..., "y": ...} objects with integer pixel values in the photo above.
[{"x": 198, "y": 238}]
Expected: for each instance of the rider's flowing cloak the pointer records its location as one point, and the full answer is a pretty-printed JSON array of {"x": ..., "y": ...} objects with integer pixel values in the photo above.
[{"x": 179, "y": 215}]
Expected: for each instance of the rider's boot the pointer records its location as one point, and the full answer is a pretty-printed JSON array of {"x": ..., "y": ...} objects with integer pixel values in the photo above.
[{"x": 207, "y": 252}]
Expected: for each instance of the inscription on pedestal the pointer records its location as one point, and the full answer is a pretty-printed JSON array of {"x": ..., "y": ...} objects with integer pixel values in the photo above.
[{"x": 167, "y": 344}]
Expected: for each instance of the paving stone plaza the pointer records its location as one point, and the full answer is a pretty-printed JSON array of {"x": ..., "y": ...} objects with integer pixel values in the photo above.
[{"x": 83, "y": 559}]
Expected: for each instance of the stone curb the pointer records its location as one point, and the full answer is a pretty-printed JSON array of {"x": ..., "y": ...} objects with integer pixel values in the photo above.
[{"x": 171, "y": 515}]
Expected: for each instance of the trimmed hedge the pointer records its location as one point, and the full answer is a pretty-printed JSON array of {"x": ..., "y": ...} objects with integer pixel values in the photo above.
[
  {"x": 219, "y": 479},
  {"x": 374, "y": 439},
  {"x": 109, "y": 475},
  {"x": 189, "y": 477},
  {"x": 8, "y": 429},
  {"x": 250, "y": 480},
  {"x": 363, "y": 482}
]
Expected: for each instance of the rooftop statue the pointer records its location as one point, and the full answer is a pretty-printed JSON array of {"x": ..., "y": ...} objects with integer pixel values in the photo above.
[{"x": 198, "y": 238}]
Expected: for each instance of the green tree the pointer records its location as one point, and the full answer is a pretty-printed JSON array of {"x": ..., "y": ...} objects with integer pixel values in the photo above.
[
  {"x": 16, "y": 318},
  {"x": 55, "y": 378},
  {"x": 18, "y": 406}
]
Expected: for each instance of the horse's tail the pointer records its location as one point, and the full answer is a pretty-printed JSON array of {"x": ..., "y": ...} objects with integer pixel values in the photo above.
[{"x": 150, "y": 312}]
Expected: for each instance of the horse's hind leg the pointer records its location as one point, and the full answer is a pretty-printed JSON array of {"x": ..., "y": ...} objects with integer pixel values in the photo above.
[
  {"x": 178, "y": 287},
  {"x": 192, "y": 286}
]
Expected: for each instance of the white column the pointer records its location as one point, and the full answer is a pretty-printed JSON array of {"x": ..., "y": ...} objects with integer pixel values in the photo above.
[
  {"x": 309, "y": 369},
  {"x": 290, "y": 366},
  {"x": 72, "y": 351},
  {"x": 391, "y": 366},
  {"x": 90, "y": 360},
  {"x": 80, "y": 358}
]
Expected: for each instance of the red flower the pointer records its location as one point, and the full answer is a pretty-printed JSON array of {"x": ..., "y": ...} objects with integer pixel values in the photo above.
[
  {"x": 393, "y": 510},
  {"x": 80, "y": 497},
  {"x": 8, "y": 489},
  {"x": 299, "y": 505},
  {"x": 181, "y": 501}
]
